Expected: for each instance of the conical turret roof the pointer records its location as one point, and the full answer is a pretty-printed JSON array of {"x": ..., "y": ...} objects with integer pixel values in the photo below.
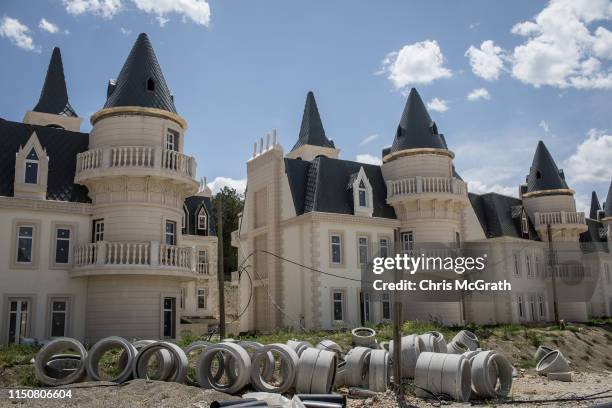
[
  {"x": 608, "y": 205},
  {"x": 416, "y": 129},
  {"x": 141, "y": 82},
  {"x": 595, "y": 207},
  {"x": 544, "y": 173},
  {"x": 311, "y": 131},
  {"x": 54, "y": 95}
]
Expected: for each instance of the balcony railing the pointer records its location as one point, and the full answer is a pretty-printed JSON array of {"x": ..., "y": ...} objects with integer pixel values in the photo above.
[
  {"x": 202, "y": 268},
  {"x": 130, "y": 254},
  {"x": 136, "y": 157},
  {"x": 420, "y": 185},
  {"x": 558, "y": 218}
]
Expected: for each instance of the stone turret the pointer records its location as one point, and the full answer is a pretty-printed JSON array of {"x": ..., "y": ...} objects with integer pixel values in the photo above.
[{"x": 607, "y": 216}]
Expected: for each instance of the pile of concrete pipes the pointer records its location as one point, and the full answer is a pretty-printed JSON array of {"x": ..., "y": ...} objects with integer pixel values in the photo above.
[{"x": 552, "y": 364}]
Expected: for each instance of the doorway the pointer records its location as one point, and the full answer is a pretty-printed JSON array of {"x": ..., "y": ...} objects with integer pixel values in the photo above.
[{"x": 19, "y": 314}]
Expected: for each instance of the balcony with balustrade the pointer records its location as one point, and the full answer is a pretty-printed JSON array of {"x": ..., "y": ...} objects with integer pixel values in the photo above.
[
  {"x": 560, "y": 219},
  {"x": 135, "y": 161},
  {"x": 426, "y": 187},
  {"x": 134, "y": 258}
]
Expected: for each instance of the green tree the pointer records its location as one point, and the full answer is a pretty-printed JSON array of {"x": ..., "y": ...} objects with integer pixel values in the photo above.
[{"x": 232, "y": 204}]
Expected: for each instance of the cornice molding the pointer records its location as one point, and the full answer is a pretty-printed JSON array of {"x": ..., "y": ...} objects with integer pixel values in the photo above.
[
  {"x": 541, "y": 193},
  {"x": 418, "y": 151},
  {"x": 46, "y": 205},
  {"x": 138, "y": 110}
]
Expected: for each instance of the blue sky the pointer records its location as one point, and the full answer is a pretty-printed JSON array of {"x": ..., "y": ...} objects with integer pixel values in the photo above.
[{"x": 240, "y": 69}]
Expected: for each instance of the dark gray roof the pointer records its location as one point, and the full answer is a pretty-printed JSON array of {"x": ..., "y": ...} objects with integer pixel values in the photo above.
[
  {"x": 322, "y": 185},
  {"x": 595, "y": 207},
  {"x": 500, "y": 215},
  {"x": 544, "y": 174},
  {"x": 193, "y": 205},
  {"x": 139, "y": 74},
  {"x": 54, "y": 96},
  {"x": 591, "y": 240},
  {"x": 62, "y": 147},
  {"x": 416, "y": 129},
  {"x": 311, "y": 130},
  {"x": 608, "y": 204}
]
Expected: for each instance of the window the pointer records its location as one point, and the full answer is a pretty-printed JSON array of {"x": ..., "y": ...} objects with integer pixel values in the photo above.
[
  {"x": 532, "y": 307},
  {"x": 170, "y": 235},
  {"x": 182, "y": 298},
  {"x": 150, "y": 85},
  {"x": 363, "y": 250},
  {"x": 541, "y": 305},
  {"x": 338, "y": 305},
  {"x": 201, "y": 298},
  {"x": 528, "y": 264},
  {"x": 386, "y": 306},
  {"x": 25, "y": 241},
  {"x": 517, "y": 265},
  {"x": 363, "y": 195},
  {"x": 62, "y": 245},
  {"x": 538, "y": 266},
  {"x": 172, "y": 140},
  {"x": 336, "y": 249},
  {"x": 384, "y": 248},
  {"x": 98, "y": 230},
  {"x": 521, "y": 311},
  {"x": 202, "y": 220},
  {"x": 31, "y": 168},
  {"x": 59, "y": 314},
  {"x": 407, "y": 241},
  {"x": 18, "y": 325},
  {"x": 524, "y": 224},
  {"x": 202, "y": 262}
]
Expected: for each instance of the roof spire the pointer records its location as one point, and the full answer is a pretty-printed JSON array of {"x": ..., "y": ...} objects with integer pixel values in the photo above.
[
  {"x": 416, "y": 129},
  {"x": 544, "y": 173},
  {"x": 141, "y": 82},
  {"x": 311, "y": 131},
  {"x": 595, "y": 207},
  {"x": 54, "y": 96},
  {"x": 608, "y": 204}
]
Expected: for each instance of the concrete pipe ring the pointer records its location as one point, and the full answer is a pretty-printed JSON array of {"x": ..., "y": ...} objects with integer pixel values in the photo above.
[
  {"x": 268, "y": 369},
  {"x": 164, "y": 360},
  {"x": 488, "y": 370},
  {"x": 324, "y": 375},
  {"x": 241, "y": 367},
  {"x": 305, "y": 371},
  {"x": 411, "y": 347},
  {"x": 457, "y": 347},
  {"x": 53, "y": 347},
  {"x": 289, "y": 360},
  {"x": 553, "y": 362},
  {"x": 541, "y": 352},
  {"x": 421, "y": 372},
  {"x": 178, "y": 364},
  {"x": 384, "y": 345},
  {"x": 61, "y": 365},
  {"x": 202, "y": 345},
  {"x": 356, "y": 368},
  {"x": 468, "y": 338},
  {"x": 456, "y": 377},
  {"x": 104, "y": 345},
  {"x": 470, "y": 354},
  {"x": 434, "y": 341},
  {"x": 332, "y": 346},
  {"x": 378, "y": 371},
  {"x": 341, "y": 374},
  {"x": 298, "y": 346},
  {"x": 363, "y": 336}
]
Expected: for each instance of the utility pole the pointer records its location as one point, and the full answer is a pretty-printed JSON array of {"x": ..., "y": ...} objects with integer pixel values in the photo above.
[
  {"x": 397, "y": 323},
  {"x": 554, "y": 273},
  {"x": 220, "y": 272}
]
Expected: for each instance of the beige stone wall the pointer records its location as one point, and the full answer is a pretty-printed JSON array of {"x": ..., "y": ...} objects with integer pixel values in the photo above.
[
  {"x": 426, "y": 165},
  {"x": 47, "y": 119},
  {"x": 132, "y": 130},
  {"x": 549, "y": 203}
]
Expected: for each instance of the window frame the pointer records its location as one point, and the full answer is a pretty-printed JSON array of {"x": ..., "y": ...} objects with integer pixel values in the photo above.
[
  {"x": 98, "y": 234},
  {"x": 408, "y": 233},
  {"x": 342, "y": 301},
  {"x": 172, "y": 235},
  {"x": 19, "y": 237},
  {"x": 171, "y": 143},
  {"x": 384, "y": 301},
  {"x": 387, "y": 246},
  {"x": 202, "y": 214},
  {"x": 35, "y": 163},
  {"x": 518, "y": 272},
  {"x": 361, "y": 247},
  {"x": 57, "y": 239},
  {"x": 203, "y": 295},
  {"x": 521, "y": 306},
  {"x": 340, "y": 245},
  {"x": 67, "y": 299},
  {"x": 530, "y": 271}
]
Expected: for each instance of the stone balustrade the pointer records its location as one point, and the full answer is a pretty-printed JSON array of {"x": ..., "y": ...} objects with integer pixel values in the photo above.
[
  {"x": 558, "y": 218},
  {"x": 424, "y": 185}
]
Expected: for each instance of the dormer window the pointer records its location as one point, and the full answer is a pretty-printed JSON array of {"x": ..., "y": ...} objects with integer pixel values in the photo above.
[
  {"x": 150, "y": 85},
  {"x": 31, "y": 168},
  {"x": 202, "y": 220},
  {"x": 363, "y": 195}
]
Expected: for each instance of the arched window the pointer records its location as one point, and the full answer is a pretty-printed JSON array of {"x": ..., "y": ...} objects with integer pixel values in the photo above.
[
  {"x": 202, "y": 220},
  {"x": 150, "y": 85},
  {"x": 31, "y": 168},
  {"x": 538, "y": 174}
]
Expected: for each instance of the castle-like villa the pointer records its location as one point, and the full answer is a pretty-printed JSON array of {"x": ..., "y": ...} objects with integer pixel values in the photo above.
[{"x": 110, "y": 233}]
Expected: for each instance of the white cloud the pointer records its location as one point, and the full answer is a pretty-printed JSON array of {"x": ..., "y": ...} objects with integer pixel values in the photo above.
[
  {"x": 48, "y": 26},
  {"x": 544, "y": 125},
  {"x": 479, "y": 93},
  {"x": 478, "y": 187},
  {"x": 561, "y": 51},
  {"x": 418, "y": 63},
  {"x": 125, "y": 31},
  {"x": 198, "y": 11},
  {"x": 17, "y": 33},
  {"x": 369, "y": 139},
  {"x": 474, "y": 25},
  {"x": 219, "y": 182},
  {"x": 487, "y": 61},
  {"x": 368, "y": 159},
  {"x": 591, "y": 162},
  {"x": 438, "y": 105},
  {"x": 104, "y": 8}
]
